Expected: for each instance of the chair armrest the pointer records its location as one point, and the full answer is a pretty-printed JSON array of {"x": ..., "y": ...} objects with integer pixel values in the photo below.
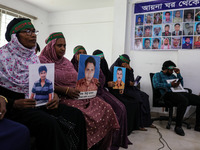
[
  {"x": 161, "y": 101},
  {"x": 189, "y": 90}
]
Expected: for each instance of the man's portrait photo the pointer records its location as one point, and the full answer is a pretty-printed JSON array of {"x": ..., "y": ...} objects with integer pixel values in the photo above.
[
  {"x": 138, "y": 31},
  {"x": 119, "y": 77},
  {"x": 156, "y": 43},
  {"x": 197, "y": 15},
  {"x": 41, "y": 81},
  {"x": 146, "y": 43},
  {"x": 177, "y": 16},
  {"x": 188, "y": 28},
  {"x": 148, "y": 19},
  {"x": 177, "y": 29},
  {"x": 166, "y": 30},
  {"x": 196, "y": 42},
  {"x": 147, "y": 31},
  {"x": 157, "y": 18},
  {"x": 189, "y": 15},
  {"x": 187, "y": 42},
  {"x": 139, "y": 19},
  {"x": 167, "y": 17},
  {"x": 197, "y": 28},
  {"x": 138, "y": 44},
  {"x": 166, "y": 43},
  {"x": 176, "y": 43},
  {"x": 157, "y": 30}
]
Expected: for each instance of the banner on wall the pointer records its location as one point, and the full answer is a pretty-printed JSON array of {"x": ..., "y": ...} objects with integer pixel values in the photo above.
[{"x": 166, "y": 25}]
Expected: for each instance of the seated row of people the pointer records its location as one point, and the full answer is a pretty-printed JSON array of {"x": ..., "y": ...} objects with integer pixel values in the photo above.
[{"x": 102, "y": 122}]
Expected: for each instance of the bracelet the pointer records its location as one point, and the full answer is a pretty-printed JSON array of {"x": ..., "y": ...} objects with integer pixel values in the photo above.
[
  {"x": 4, "y": 98},
  {"x": 67, "y": 91}
]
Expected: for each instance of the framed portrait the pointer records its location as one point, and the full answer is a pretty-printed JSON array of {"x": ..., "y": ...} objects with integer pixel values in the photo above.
[{"x": 119, "y": 77}]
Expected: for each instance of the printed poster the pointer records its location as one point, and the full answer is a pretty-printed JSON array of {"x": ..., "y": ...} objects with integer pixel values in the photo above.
[{"x": 119, "y": 76}]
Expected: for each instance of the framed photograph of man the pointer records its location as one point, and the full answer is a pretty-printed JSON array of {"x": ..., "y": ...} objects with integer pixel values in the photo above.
[
  {"x": 138, "y": 44},
  {"x": 197, "y": 28},
  {"x": 197, "y": 14},
  {"x": 119, "y": 77},
  {"x": 177, "y": 16},
  {"x": 177, "y": 29},
  {"x": 166, "y": 30},
  {"x": 138, "y": 31},
  {"x": 147, "y": 31},
  {"x": 187, "y": 42},
  {"x": 41, "y": 83},
  {"x": 148, "y": 19},
  {"x": 166, "y": 43},
  {"x": 176, "y": 42},
  {"x": 157, "y": 30},
  {"x": 88, "y": 76},
  {"x": 139, "y": 19},
  {"x": 147, "y": 43},
  {"x": 196, "y": 42},
  {"x": 157, "y": 18},
  {"x": 156, "y": 43},
  {"x": 188, "y": 28},
  {"x": 189, "y": 15},
  {"x": 167, "y": 17}
]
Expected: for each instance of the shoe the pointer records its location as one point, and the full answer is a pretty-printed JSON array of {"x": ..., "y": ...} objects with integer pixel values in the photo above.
[
  {"x": 142, "y": 129},
  {"x": 179, "y": 131},
  {"x": 197, "y": 128}
]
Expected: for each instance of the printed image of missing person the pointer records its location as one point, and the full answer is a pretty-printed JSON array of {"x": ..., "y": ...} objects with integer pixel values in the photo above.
[
  {"x": 196, "y": 42},
  {"x": 166, "y": 30},
  {"x": 147, "y": 31},
  {"x": 176, "y": 43},
  {"x": 138, "y": 31},
  {"x": 146, "y": 43},
  {"x": 156, "y": 43},
  {"x": 187, "y": 42},
  {"x": 157, "y": 18},
  {"x": 157, "y": 30},
  {"x": 188, "y": 28},
  {"x": 139, "y": 19},
  {"x": 138, "y": 44}
]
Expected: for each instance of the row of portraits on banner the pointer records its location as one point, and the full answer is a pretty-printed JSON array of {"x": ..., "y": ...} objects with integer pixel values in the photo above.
[{"x": 178, "y": 29}]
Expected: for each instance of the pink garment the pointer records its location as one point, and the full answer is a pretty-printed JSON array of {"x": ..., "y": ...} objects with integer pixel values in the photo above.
[
  {"x": 14, "y": 65},
  {"x": 100, "y": 118}
]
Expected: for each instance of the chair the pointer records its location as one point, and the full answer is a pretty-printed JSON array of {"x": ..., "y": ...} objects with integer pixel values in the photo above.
[{"x": 158, "y": 101}]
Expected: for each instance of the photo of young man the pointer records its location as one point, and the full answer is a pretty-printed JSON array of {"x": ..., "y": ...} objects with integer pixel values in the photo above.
[
  {"x": 188, "y": 28},
  {"x": 167, "y": 17},
  {"x": 147, "y": 31},
  {"x": 146, "y": 43},
  {"x": 138, "y": 31},
  {"x": 139, "y": 19},
  {"x": 177, "y": 30},
  {"x": 119, "y": 83},
  {"x": 197, "y": 28},
  {"x": 156, "y": 43},
  {"x": 197, "y": 42},
  {"x": 167, "y": 30},
  {"x": 187, "y": 42},
  {"x": 176, "y": 43}
]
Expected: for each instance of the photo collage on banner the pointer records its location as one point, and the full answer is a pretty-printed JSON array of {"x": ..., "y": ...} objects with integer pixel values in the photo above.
[{"x": 166, "y": 29}]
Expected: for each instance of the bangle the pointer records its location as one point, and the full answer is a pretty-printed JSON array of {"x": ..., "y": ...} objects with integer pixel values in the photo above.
[
  {"x": 4, "y": 98},
  {"x": 67, "y": 91}
]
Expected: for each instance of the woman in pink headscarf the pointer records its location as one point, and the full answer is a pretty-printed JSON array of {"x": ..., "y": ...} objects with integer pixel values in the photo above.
[{"x": 100, "y": 118}]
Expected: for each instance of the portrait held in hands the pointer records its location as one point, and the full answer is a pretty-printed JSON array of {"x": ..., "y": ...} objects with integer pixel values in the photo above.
[
  {"x": 88, "y": 76},
  {"x": 41, "y": 81},
  {"x": 119, "y": 77}
]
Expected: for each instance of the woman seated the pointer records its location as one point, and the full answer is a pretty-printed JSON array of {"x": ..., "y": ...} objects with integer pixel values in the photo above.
[
  {"x": 14, "y": 136},
  {"x": 100, "y": 118},
  {"x": 54, "y": 126},
  {"x": 136, "y": 101},
  {"x": 119, "y": 138}
]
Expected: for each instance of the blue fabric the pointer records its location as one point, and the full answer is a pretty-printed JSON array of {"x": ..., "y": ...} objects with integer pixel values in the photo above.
[
  {"x": 42, "y": 93},
  {"x": 13, "y": 136},
  {"x": 159, "y": 81}
]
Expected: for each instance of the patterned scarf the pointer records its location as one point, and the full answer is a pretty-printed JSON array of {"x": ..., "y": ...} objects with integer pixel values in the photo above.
[{"x": 14, "y": 62}]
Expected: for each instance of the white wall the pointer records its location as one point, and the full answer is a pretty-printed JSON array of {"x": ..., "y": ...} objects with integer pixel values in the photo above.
[
  {"x": 40, "y": 24},
  {"x": 92, "y": 28},
  {"x": 144, "y": 62}
]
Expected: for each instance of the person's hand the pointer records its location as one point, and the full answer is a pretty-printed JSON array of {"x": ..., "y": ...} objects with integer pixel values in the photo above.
[
  {"x": 131, "y": 83},
  {"x": 111, "y": 83},
  {"x": 73, "y": 93},
  {"x": 176, "y": 70},
  {"x": 126, "y": 66},
  {"x": 2, "y": 107},
  {"x": 98, "y": 84},
  {"x": 24, "y": 103},
  {"x": 174, "y": 83},
  {"x": 121, "y": 91},
  {"x": 53, "y": 104}
]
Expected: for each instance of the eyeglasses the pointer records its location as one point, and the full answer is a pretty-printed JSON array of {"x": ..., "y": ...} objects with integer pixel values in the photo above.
[{"x": 30, "y": 32}]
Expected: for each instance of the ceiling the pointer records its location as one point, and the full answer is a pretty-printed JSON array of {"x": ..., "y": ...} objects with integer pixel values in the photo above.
[{"x": 66, "y": 5}]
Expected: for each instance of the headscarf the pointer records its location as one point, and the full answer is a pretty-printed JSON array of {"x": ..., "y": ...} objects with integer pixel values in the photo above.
[
  {"x": 65, "y": 74},
  {"x": 121, "y": 59},
  {"x": 14, "y": 62},
  {"x": 74, "y": 59},
  {"x": 103, "y": 65}
]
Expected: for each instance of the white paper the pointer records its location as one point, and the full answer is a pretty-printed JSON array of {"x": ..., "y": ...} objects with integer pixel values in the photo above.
[{"x": 179, "y": 88}]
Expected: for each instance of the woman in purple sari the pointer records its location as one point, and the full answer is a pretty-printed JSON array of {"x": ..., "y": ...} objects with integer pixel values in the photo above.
[
  {"x": 101, "y": 120},
  {"x": 119, "y": 138}
]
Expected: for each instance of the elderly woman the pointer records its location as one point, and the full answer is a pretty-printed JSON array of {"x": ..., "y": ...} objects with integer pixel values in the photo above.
[
  {"x": 100, "y": 118},
  {"x": 53, "y": 123},
  {"x": 119, "y": 138},
  {"x": 136, "y": 101}
]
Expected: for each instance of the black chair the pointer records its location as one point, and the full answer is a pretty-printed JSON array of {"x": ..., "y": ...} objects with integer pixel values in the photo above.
[{"x": 158, "y": 101}]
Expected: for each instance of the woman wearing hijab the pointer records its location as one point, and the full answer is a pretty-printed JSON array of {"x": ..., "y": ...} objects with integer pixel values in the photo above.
[
  {"x": 52, "y": 123},
  {"x": 119, "y": 138},
  {"x": 100, "y": 118},
  {"x": 136, "y": 101}
]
